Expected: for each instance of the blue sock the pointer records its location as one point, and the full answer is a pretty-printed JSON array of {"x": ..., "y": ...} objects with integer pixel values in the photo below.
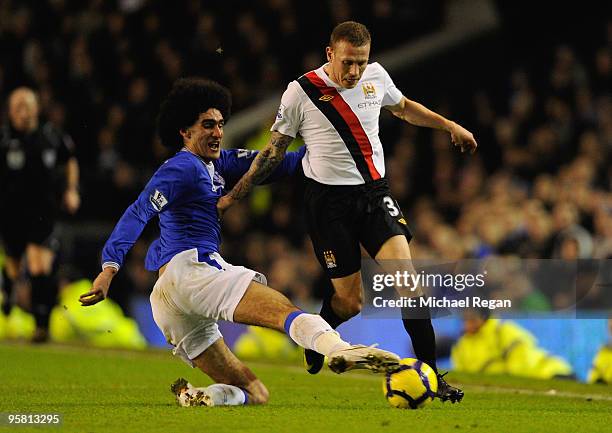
[
  {"x": 246, "y": 395},
  {"x": 290, "y": 318}
]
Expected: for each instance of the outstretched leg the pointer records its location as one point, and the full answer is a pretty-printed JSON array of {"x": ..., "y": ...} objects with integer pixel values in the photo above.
[
  {"x": 339, "y": 305},
  {"x": 263, "y": 306}
]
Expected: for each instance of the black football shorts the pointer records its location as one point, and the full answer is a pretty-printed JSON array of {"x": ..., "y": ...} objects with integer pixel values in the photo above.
[
  {"x": 340, "y": 217},
  {"x": 17, "y": 229}
]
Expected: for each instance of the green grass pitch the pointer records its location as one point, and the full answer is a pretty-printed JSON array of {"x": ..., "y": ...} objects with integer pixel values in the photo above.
[{"x": 121, "y": 391}]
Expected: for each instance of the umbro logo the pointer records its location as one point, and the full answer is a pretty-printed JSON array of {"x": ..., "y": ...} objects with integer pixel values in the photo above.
[{"x": 326, "y": 98}]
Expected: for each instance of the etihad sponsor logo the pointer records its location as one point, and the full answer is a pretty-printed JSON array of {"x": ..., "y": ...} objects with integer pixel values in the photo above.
[
  {"x": 369, "y": 104},
  {"x": 326, "y": 98},
  {"x": 369, "y": 90}
]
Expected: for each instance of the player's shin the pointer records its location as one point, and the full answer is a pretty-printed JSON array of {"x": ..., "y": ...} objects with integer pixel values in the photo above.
[
  {"x": 7, "y": 284},
  {"x": 328, "y": 314},
  {"x": 312, "y": 332},
  {"x": 44, "y": 296},
  {"x": 417, "y": 322}
]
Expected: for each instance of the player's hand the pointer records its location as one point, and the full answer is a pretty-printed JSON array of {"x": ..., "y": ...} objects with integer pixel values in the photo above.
[
  {"x": 462, "y": 137},
  {"x": 99, "y": 288},
  {"x": 72, "y": 200},
  {"x": 224, "y": 203}
]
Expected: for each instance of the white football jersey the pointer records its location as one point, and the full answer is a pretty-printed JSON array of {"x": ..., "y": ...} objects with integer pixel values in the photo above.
[{"x": 338, "y": 125}]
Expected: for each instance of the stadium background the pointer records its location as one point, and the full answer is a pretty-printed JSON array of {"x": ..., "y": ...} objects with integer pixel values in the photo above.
[{"x": 534, "y": 87}]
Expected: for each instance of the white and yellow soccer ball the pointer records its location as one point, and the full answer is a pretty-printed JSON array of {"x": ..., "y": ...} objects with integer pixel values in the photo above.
[{"x": 413, "y": 385}]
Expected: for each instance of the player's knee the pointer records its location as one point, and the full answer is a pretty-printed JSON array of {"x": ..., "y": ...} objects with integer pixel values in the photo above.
[
  {"x": 258, "y": 393},
  {"x": 39, "y": 260},
  {"x": 12, "y": 271},
  {"x": 37, "y": 268}
]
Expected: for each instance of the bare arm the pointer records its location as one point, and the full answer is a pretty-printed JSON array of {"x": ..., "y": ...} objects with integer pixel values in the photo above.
[
  {"x": 99, "y": 289},
  {"x": 72, "y": 199},
  {"x": 72, "y": 174},
  {"x": 265, "y": 162},
  {"x": 419, "y": 115}
]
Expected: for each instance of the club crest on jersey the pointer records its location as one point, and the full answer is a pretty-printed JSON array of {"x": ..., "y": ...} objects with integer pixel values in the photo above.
[
  {"x": 218, "y": 181},
  {"x": 158, "y": 200},
  {"x": 330, "y": 259},
  {"x": 326, "y": 98},
  {"x": 279, "y": 114},
  {"x": 369, "y": 90}
]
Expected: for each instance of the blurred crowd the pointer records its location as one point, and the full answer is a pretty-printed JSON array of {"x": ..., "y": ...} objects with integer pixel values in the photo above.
[
  {"x": 102, "y": 67},
  {"x": 539, "y": 186}
]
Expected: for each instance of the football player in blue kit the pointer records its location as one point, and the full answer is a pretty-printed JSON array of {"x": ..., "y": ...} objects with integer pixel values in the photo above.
[{"x": 196, "y": 287}]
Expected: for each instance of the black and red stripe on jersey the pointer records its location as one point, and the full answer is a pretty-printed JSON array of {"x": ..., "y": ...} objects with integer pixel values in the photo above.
[{"x": 341, "y": 116}]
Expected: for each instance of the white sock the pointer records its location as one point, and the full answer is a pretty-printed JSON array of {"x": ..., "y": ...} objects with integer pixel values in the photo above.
[
  {"x": 225, "y": 395},
  {"x": 312, "y": 332}
]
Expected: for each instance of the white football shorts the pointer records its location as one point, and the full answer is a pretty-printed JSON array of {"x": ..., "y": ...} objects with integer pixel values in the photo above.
[{"x": 190, "y": 296}]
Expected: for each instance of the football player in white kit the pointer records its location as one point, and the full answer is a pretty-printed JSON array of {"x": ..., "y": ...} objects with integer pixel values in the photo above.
[
  {"x": 196, "y": 287},
  {"x": 336, "y": 109}
]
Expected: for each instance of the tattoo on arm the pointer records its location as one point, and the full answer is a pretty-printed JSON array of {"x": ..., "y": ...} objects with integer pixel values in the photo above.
[{"x": 265, "y": 162}]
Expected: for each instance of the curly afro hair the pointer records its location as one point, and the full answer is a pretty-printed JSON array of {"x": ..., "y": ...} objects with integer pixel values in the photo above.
[{"x": 188, "y": 98}]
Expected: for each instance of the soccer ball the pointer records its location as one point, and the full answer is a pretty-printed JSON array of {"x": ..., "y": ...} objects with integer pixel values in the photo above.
[{"x": 413, "y": 385}]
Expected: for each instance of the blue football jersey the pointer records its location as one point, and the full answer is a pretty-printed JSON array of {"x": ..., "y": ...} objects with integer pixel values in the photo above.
[{"x": 183, "y": 193}]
